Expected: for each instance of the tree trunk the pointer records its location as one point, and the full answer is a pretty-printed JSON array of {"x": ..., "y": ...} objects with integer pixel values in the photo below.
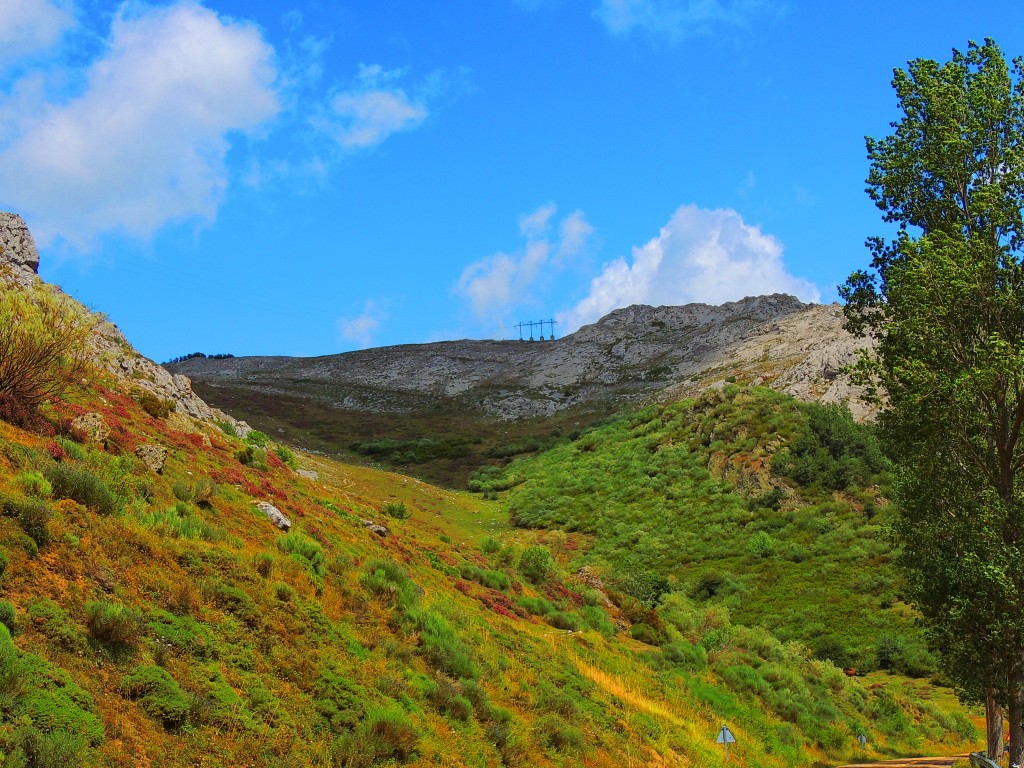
[
  {"x": 994, "y": 726},
  {"x": 1015, "y": 675}
]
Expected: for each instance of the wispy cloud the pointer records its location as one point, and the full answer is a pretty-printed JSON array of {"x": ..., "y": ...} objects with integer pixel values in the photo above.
[
  {"x": 146, "y": 141},
  {"x": 31, "y": 26},
  {"x": 373, "y": 108},
  {"x": 700, "y": 255},
  {"x": 677, "y": 20},
  {"x": 360, "y": 329},
  {"x": 496, "y": 283}
]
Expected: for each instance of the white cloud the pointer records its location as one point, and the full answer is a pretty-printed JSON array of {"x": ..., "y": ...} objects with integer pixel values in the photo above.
[
  {"x": 373, "y": 109},
  {"x": 31, "y": 26},
  {"x": 701, "y": 255},
  {"x": 677, "y": 19},
  {"x": 360, "y": 329},
  {"x": 496, "y": 283},
  {"x": 145, "y": 142}
]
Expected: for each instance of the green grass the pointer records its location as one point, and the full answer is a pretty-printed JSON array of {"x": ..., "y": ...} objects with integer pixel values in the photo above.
[{"x": 744, "y": 498}]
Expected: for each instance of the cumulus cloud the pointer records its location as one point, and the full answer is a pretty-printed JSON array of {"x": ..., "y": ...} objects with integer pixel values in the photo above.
[
  {"x": 496, "y": 283},
  {"x": 677, "y": 19},
  {"x": 31, "y": 26},
  {"x": 373, "y": 109},
  {"x": 360, "y": 329},
  {"x": 701, "y": 255},
  {"x": 145, "y": 142}
]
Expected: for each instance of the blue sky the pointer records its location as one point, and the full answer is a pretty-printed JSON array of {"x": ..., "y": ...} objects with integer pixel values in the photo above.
[{"x": 312, "y": 177}]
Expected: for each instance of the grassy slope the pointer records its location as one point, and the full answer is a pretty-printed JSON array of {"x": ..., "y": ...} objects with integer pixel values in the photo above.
[
  {"x": 693, "y": 493},
  {"x": 205, "y": 636}
]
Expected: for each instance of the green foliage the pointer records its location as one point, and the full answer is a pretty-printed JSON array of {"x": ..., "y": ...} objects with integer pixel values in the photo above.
[
  {"x": 395, "y": 509},
  {"x": 338, "y": 699},
  {"x": 52, "y": 621},
  {"x": 416, "y": 451},
  {"x": 182, "y": 633},
  {"x": 35, "y": 484},
  {"x": 33, "y": 515},
  {"x": 83, "y": 486},
  {"x": 4, "y": 562},
  {"x": 536, "y": 564},
  {"x": 556, "y": 734},
  {"x": 833, "y": 451},
  {"x": 390, "y": 583},
  {"x": 386, "y": 734},
  {"x": 490, "y": 545},
  {"x": 180, "y": 522},
  {"x": 112, "y": 623},
  {"x": 257, "y": 438},
  {"x": 43, "y": 350},
  {"x": 157, "y": 407},
  {"x": 227, "y": 428},
  {"x": 159, "y": 694},
  {"x": 944, "y": 303},
  {"x": 305, "y": 549},
  {"x": 492, "y": 479},
  {"x": 488, "y": 578},
  {"x": 287, "y": 456},
  {"x": 252, "y": 456},
  {"x": 442, "y": 649},
  {"x": 761, "y": 545},
  {"x": 8, "y": 615}
]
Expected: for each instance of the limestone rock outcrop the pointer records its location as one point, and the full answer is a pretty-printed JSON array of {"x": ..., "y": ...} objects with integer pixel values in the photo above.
[{"x": 18, "y": 252}]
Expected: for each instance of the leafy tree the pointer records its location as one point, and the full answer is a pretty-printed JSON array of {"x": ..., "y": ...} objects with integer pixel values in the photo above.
[{"x": 944, "y": 303}]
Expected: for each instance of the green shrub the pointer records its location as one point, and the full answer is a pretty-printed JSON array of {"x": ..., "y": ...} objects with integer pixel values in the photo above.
[
  {"x": 35, "y": 484},
  {"x": 396, "y": 509},
  {"x": 442, "y": 649},
  {"x": 685, "y": 655},
  {"x": 563, "y": 620},
  {"x": 82, "y": 486},
  {"x": 33, "y": 515},
  {"x": 284, "y": 592},
  {"x": 8, "y": 660},
  {"x": 257, "y": 438},
  {"x": 71, "y": 449},
  {"x": 235, "y": 601},
  {"x": 181, "y": 522},
  {"x": 4, "y": 562},
  {"x": 488, "y": 578},
  {"x": 159, "y": 693},
  {"x": 8, "y": 616},
  {"x": 264, "y": 564},
  {"x": 112, "y": 623},
  {"x": 183, "y": 633},
  {"x": 286, "y": 456},
  {"x": 389, "y": 582},
  {"x": 308, "y": 551},
  {"x": 761, "y": 545},
  {"x": 536, "y": 564},
  {"x": 490, "y": 545},
  {"x": 32, "y": 747},
  {"x": 537, "y": 606},
  {"x": 157, "y": 407},
  {"x": 337, "y": 699},
  {"x": 227, "y": 428},
  {"x": 386, "y": 734},
  {"x": 555, "y": 733},
  {"x": 52, "y": 621}
]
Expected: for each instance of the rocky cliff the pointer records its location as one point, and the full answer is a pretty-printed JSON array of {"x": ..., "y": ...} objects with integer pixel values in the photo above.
[{"x": 632, "y": 355}]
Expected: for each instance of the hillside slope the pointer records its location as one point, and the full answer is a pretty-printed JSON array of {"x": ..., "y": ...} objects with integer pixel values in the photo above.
[
  {"x": 505, "y": 391},
  {"x": 156, "y": 612}
]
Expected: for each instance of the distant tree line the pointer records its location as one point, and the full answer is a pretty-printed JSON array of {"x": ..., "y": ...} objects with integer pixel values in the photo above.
[{"x": 193, "y": 355}]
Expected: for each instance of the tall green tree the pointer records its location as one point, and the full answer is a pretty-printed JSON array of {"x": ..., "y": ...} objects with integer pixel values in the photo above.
[{"x": 943, "y": 301}]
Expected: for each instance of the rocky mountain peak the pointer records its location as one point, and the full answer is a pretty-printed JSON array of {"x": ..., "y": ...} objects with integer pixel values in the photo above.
[{"x": 18, "y": 251}]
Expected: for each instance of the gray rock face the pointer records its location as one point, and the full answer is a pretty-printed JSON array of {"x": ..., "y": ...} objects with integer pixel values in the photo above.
[
  {"x": 92, "y": 425},
  {"x": 153, "y": 456},
  {"x": 274, "y": 515},
  {"x": 17, "y": 249},
  {"x": 633, "y": 355},
  {"x": 373, "y": 527}
]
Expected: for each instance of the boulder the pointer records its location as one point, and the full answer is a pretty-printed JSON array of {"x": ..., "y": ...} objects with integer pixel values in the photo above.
[
  {"x": 92, "y": 426},
  {"x": 373, "y": 527},
  {"x": 274, "y": 515},
  {"x": 153, "y": 456},
  {"x": 18, "y": 252},
  {"x": 309, "y": 474}
]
